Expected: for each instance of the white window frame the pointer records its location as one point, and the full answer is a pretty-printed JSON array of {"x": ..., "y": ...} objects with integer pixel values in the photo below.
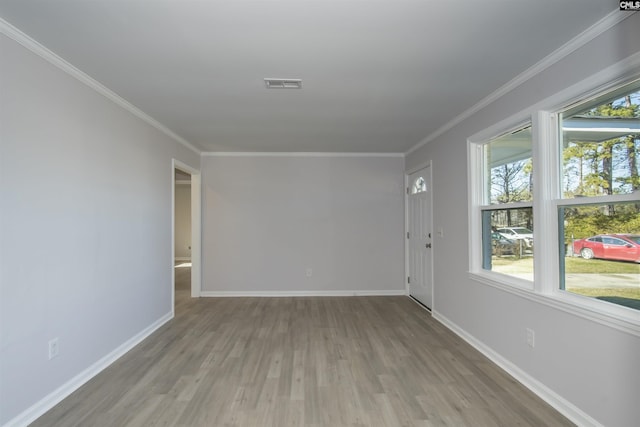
[
  {"x": 547, "y": 198},
  {"x": 477, "y": 188}
]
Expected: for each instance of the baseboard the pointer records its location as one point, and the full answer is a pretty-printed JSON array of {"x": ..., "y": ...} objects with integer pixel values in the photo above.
[
  {"x": 35, "y": 411},
  {"x": 274, "y": 294},
  {"x": 566, "y": 408},
  {"x": 182, "y": 258}
]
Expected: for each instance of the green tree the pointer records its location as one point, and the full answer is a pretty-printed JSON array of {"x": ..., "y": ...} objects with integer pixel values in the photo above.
[{"x": 604, "y": 168}]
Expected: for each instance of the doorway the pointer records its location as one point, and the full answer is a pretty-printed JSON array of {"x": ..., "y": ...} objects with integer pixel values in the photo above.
[
  {"x": 182, "y": 237},
  {"x": 419, "y": 227},
  {"x": 185, "y": 232}
]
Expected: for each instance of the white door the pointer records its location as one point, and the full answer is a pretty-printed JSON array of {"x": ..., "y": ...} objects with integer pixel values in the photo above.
[{"x": 420, "y": 233}]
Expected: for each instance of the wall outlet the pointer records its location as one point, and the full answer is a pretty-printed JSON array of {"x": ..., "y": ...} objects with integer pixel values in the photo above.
[
  {"x": 309, "y": 272},
  {"x": 54, "y": 348},
  {"x": 531, "y": 338}
]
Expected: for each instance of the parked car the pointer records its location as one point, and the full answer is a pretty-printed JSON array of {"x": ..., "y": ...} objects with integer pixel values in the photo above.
[
  {"x": 518, "y": 233},
  {"x": 500, "y": 245},
  {"x": 622, "y": 247}
]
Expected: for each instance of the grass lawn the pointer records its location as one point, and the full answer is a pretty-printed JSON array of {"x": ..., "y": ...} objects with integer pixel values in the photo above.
[
  {"x": 632, "y": 293},
  {"x": 579, "y": 265},
  {"x": 572, "y": 265},
  {"x": 628, "y": 297}
]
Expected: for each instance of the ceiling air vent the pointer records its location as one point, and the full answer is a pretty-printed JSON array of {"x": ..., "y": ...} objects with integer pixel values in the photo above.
[{"x": 283, "y": 83}]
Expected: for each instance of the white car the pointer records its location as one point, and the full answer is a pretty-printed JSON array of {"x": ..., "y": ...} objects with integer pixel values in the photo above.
[{"x": 517, "y": 233}]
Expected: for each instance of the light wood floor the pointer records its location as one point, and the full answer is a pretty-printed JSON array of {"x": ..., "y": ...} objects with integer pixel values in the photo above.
[{"x": 353, "y": 361}]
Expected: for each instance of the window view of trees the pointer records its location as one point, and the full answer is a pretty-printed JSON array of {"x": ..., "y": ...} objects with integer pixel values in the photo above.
[
  {"x": 512, "y": 182},
  {"x": 600, "y": 150},
  {"x": 592, "y": 190}
]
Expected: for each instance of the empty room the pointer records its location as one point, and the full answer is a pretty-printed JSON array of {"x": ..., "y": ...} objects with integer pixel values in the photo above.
[{"x": 319, "y": 213}]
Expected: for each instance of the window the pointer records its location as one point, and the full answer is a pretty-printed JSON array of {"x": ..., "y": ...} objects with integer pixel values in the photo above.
[
  {"x": 555, "y": 205},
  {"x": 600, "y": 152},
  {"x": 507, "y": 200},
  {"x": 419, "y": 186}
]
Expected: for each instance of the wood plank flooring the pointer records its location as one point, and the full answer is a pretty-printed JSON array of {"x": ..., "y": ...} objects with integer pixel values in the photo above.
[{"x": 352, "y": 361}]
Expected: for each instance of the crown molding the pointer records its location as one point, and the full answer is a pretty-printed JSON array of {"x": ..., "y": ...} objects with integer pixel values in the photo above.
[
  {"x": 610, "y": 20},
  {"x": 295, "y": 154},
  {"x": 15, "y": 34}
]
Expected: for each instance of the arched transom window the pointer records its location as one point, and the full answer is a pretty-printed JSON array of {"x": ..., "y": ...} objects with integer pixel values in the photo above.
[{"x": 419, "y": 186}]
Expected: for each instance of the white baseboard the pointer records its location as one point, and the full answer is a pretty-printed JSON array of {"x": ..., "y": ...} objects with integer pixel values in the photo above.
[
  {"x": 365, "y": 293},
  {"x": 566, "y": 408},
  {"x": 52, "y": 399}
]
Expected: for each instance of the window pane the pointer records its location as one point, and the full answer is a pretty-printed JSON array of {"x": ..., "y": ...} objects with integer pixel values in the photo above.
[
  {"x": 508, "y": 160},
  {"x": 419, "y": 186},
  {"x": 508, "y": 241},
  {"x": 600, "y": 257},
  {"x": 601, "y": 146}
]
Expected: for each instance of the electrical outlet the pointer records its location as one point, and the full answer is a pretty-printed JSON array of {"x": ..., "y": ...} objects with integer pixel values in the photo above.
[
  {"x": 54, "y": 348},
  {"x": 309, "y": 272},
  {"x": 531, "y": 338}
]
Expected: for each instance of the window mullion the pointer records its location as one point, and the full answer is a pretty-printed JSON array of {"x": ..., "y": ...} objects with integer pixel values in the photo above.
[
  {"x": 546, "y": 184},
  {"x": 476, "y": 198}
]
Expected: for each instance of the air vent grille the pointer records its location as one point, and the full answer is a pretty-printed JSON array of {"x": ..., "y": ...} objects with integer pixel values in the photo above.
[{"x": 283, "y": 83}]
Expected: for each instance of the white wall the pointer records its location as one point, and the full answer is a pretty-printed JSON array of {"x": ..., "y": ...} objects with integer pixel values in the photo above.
[
  {"x": 183, "y": 221},
  {"x": 591, "y": 366},
  {"x": 268, "y": 219},
  {"x": 85, "y": 227}
]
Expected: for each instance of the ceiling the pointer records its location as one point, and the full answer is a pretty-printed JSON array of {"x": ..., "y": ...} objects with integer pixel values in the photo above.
[{"x": 378, "y": 75}]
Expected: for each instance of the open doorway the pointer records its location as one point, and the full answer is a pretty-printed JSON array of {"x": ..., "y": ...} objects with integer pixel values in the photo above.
[
  {"x": 186, "y": 228},
  {"x": 182, "y": 236}
]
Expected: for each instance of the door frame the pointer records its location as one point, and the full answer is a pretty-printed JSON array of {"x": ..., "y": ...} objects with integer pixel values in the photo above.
[
  {"x": 427, "y": 164},
  {"x": 196, "y": 229}
]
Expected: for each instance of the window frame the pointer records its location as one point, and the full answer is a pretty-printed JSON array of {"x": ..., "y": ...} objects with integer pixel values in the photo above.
[
  {"x": 477, "y": 196},
  {"x": 547, "y": 199}
]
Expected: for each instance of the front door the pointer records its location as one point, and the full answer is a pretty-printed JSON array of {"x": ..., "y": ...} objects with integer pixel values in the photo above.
[{"x": 420, "y": 258}]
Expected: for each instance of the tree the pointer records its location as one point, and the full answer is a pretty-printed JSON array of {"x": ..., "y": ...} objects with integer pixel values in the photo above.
[
  {"x": 512, "y": 182},
  {"x": 604, "y": 168}
]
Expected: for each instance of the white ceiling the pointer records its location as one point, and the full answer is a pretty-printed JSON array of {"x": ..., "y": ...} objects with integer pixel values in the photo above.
[{"x": 378, "y": 76}]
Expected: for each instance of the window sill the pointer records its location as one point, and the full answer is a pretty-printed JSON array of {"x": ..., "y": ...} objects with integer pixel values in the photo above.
[{"x": 621, "y": 318}]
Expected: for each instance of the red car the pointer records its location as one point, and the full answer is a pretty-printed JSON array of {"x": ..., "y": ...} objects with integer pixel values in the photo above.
[{"x": 623, "y": 247}]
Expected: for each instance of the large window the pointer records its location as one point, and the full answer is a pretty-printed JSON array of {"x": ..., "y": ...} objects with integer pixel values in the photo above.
[
  {"x": 563, "y": 185},
  {"x": 599, "y": 231}
]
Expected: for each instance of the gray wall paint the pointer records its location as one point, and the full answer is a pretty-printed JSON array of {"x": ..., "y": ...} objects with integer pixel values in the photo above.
[
  {"x": 592, "y": 366},
  {"x": 183, "y": 221},
  {"x": 85, "y": 230},
  {"x": 267, "y": 219}
]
